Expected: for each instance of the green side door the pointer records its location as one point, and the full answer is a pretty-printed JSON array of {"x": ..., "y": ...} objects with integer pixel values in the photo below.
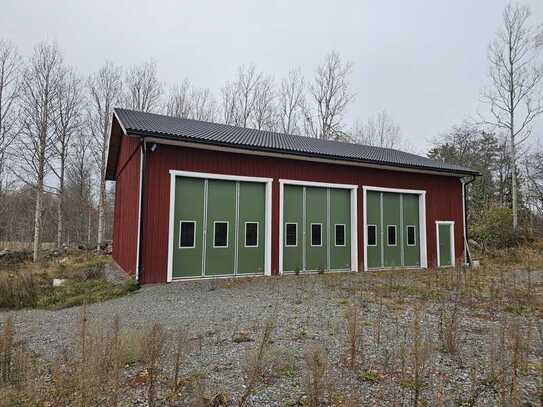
[
  {"x": 293, "y": 216},
  {"x": 391, "y": 230},
  {"x": 316, "y": 229},
  {"x": 221, "y": 228},
  {"x": 340, "y": 229},
  {"x": 189, "y": 219},
  {"x": 373, "y": 229},
  {"x": 411, "y": 232},
  {"x": 445, "y": 249},
  {"x": 252, "y": 232}
]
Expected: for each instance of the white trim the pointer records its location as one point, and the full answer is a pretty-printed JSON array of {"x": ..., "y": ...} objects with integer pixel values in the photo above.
[
  {"x": 354, "y": 223},
  {"x": 139, "y": 214},
  {"x": 268, "y": 215},
  {"x": 354, "y": 229},
  {"x": 295, "y": 224},
  {"x": 204, "y": 230},
  {"x": 245, "y": 151},
  {"x": 414, "y": 235},
  {"x": 453, "y": 254},
  {"x": 367, "y": 227},
  {"x": 395, "y": 236},
  {"x": 226, "y": 177},
  {"x": 193, "y": 234},
  {"x": 227, "y": 232},
  {"x": 316, "y": 184},
  {"x": 245, "y": 234},
  {"x": 281, "y": 194},
  {"x": 344, "y": 234},
  {"x": 311, "y": 226},
  {"x": 171, "y": 227},
  {"x": 422, "y": 221}
]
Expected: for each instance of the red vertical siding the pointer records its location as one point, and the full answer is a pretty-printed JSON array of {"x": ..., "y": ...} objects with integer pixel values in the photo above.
[
  {"x": 443, "y": 196},
  {"x": 125, "y": 218}
]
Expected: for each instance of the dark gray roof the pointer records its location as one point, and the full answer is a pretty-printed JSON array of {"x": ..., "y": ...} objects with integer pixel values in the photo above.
[{"x": 150, "y": 124}]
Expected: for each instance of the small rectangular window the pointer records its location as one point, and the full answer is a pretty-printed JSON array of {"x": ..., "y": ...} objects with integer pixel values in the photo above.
[
  {"x": 251, "y": 234},
  {"x": 411, "y": 235},
  {"x": 220, "y": 234},
  {"x": 291, "y": 231},
  {"x": 316, "y": 234},
  {"x": 372, "y": 235},
  {"x": 340, "y": 235},
  {"x": 187, "y": 234},
  {"x": 391, "y": 233}
]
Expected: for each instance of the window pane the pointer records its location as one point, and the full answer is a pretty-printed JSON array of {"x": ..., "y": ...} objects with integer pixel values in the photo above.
[
  {"x": 372, "y": 235},
  {"x": 340, "y": 235},
  {"x": 251, "y": 234},
  {"x": 221, "y": 234},
  {"x": 186, "y": 232},
  {"x": 391, "y": 235},
  {"x": 316, "y": 235},
  {"x": 292, "y": 234},
  {"x": 411, "y": 239}
]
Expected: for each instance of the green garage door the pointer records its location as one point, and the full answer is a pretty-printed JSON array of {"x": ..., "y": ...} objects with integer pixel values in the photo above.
[
  {"x": 392, "y": 230},
  {"x": 316, "y": 228},
  {"x": 219, "y": 228}
]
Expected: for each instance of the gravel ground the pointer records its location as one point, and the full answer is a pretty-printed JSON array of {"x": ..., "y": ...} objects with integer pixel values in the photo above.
[{"x": 306, "y": 310}]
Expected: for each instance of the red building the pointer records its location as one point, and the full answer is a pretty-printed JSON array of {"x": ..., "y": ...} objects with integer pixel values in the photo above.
[{"x": 205, "y": 200}]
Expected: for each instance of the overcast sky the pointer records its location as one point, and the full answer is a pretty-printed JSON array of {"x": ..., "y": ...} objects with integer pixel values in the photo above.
[{"x": 423, "y": 61}]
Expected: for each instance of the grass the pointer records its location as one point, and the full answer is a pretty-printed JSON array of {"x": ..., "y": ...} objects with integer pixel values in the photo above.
[
  {"x": 29, "y": 285},
  {"x": 402, "y": 337}
]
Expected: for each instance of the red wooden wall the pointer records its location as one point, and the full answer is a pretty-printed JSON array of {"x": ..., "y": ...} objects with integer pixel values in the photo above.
[
  {"x": 125, "y": 220},
  {"x": 443, "y": 198}
]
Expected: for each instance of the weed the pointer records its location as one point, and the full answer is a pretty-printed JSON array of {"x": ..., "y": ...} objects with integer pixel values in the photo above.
[
  {"x": 316, "y": 365},
  {"x": 354, "y": 334}
]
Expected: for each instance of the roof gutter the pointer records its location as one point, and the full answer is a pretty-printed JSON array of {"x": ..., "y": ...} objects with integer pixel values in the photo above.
[{"x": 467, "y": 253}]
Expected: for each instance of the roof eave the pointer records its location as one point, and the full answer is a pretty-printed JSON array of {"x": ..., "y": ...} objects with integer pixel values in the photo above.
[{"x": 454, "y": 172}]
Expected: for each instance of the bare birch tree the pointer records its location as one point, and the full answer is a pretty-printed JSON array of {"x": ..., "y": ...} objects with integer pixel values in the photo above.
[
  {"x": 380, "y": 131},
  {"x": 290, "y": 103},
  {"x": 39, "y": 93},
  {"x": 515, "y": 96},
  {"x": 67, "y": 121},
  {"x": 142, "y": 87},
  {"x": 179, "y": 103},
  {"x": 105, "y": 91},
  {"x": 187, "y": 102},
  {"x": 79, "y": 176},
  {"x": 10, "y": 64},
  {"x": 228, "y": 103},
  {"x": 263, "y": 115},
  {"x": 330, "y": 96}
]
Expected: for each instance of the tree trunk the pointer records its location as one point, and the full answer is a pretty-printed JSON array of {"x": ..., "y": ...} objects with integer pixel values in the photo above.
[
  {"x": 60, "y": 203},
  {"x": 101, "y": 204},
  {"x": 38, "y": 216}
]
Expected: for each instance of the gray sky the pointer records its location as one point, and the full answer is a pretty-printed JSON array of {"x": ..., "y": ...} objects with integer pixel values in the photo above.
[{"x": 423, "y": 61}]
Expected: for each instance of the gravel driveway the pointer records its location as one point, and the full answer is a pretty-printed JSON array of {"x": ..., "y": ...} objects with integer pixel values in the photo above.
[{"x": 306, "y": 310}]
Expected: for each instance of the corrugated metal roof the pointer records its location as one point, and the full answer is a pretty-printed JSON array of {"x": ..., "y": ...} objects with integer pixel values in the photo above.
[{"x": 156, "y": 125}]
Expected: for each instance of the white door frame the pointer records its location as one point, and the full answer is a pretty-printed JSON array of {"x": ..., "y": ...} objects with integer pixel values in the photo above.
[
  {"x": 354, "y": 209},
  {"x": 453, "y": 254},
  {"x": 422, "y": 220},
  {"x": 268, "y": 212}
]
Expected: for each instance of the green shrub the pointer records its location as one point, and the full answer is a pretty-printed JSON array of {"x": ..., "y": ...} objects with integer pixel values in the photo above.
[{"x": 493, "y": 229}]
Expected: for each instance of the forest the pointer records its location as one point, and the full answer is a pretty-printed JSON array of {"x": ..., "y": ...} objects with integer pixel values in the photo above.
[{"x": 54, "y": 124}]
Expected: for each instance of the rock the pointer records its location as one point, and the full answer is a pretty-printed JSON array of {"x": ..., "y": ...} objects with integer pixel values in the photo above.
[{"x": 57, "y": 282}]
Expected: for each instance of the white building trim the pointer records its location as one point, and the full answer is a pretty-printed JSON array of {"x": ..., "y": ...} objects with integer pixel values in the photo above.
[
  {"x": 453, "y": 254},
  {"x": 422, "y": 221},
  {"x": 205, "y": 175},
  {"x": 354, "y": 206}
]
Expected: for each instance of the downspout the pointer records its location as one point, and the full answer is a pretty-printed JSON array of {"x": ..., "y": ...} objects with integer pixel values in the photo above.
[
  {"x": 467, "y": 254},
  {"x": 139, "y": 269}
]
